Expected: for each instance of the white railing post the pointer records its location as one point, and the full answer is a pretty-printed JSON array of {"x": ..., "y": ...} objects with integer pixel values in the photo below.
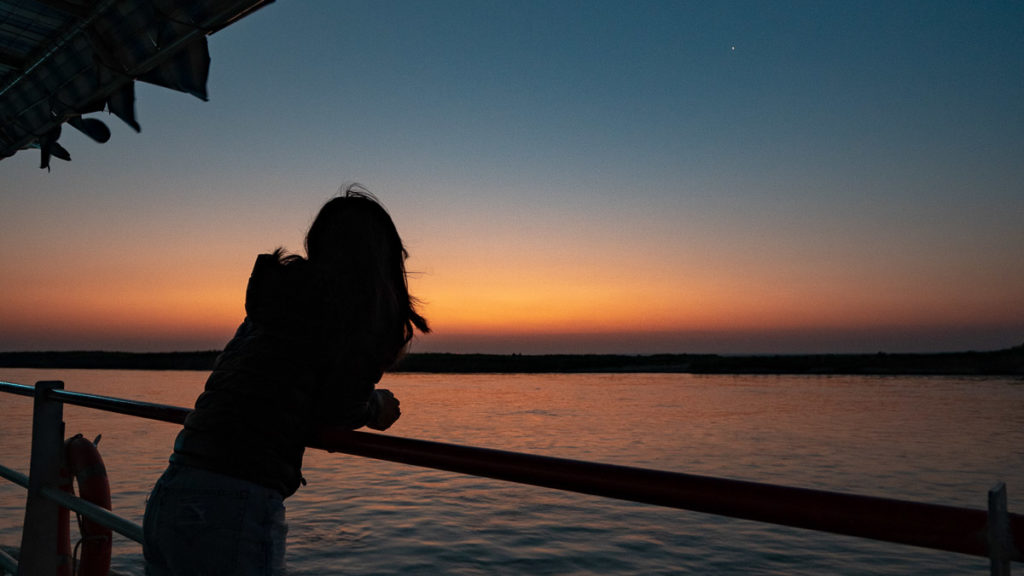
[
  {"x": 998, "y": 531},
  {"x": 39, "y": 533}
]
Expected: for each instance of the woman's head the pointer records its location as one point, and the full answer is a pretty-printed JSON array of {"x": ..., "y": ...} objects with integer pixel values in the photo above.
[{"x": 355, "y": 244}]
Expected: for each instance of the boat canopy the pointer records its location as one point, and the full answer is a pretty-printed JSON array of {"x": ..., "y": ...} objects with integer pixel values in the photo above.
[{"x": 63, "y": 59}]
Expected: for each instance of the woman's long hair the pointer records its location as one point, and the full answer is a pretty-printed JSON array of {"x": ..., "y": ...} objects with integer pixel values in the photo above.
[{"x": 355, "y": 246}]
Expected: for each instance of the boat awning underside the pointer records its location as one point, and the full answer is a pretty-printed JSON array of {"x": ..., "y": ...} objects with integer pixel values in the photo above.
[{"x": 62, "y": 59}]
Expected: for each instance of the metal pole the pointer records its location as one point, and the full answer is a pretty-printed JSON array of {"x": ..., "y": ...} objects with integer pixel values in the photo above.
[
  {"x": 998, "y": 531},
  {"x": 39, "y": 534}
]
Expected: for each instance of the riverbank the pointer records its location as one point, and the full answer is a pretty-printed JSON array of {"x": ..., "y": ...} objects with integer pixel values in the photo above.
[{"x": 1000, "y": 362}]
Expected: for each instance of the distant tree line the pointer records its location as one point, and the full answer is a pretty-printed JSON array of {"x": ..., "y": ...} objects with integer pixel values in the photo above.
[
  {"x": 111, "y": 360},
  {"x": 1000, "y": 362}
]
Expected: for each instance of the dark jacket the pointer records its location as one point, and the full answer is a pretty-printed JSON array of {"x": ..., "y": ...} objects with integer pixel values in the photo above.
[{"x": 290, "y": 369}]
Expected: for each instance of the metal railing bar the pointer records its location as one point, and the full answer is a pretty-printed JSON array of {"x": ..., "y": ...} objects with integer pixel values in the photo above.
[
  {"x": 948, "y": 528},
  {"x": 19, "y": 389},
  {"x": 96, "y": 513},
  {"x": 14, "y": 476},
  {"x": 8, "y": 565},
  {"x": 150, "y": 410},
  {"x": 99, "y": 514},
  {"x": 162, "y": 412}
]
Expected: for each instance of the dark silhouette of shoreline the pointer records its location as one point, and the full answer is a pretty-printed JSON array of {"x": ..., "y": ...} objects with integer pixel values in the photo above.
[{"x": 1000, "y": 362}]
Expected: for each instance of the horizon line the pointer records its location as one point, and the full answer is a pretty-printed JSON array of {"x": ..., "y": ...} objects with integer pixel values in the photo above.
[{"x": 628, "y": 354}]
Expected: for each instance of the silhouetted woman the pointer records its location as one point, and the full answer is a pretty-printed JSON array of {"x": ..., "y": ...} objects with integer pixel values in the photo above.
[{"x": 319, "y": 332}]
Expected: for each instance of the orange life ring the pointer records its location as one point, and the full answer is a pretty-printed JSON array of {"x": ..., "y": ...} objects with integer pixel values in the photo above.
[{"x": 83, "y": 464}]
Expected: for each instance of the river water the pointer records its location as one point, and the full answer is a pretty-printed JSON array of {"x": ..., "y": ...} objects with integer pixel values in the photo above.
[{"x": 943, "y": 440}]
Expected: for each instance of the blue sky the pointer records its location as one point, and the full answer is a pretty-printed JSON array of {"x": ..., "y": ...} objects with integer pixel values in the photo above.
[{"x": 569, "y": 176}]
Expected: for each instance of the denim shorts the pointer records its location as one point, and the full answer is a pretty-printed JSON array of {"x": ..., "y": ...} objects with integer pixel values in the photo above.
[{"x": 203, "y": 523}]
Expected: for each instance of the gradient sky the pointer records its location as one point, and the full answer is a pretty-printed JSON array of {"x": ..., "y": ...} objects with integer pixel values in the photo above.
[{"x": 636, "y": 177}]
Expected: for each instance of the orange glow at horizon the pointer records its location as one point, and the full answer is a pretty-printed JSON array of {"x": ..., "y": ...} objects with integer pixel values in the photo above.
[
  {"x": 508, "y": 283},
  {"x": 558, "y": 298},
  {"x": 510, "y": 301},
  {"x": 151, "y": 308}
]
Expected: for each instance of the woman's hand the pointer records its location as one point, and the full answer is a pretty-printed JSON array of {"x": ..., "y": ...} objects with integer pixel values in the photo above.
[{"x": 386, "y": 410}]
